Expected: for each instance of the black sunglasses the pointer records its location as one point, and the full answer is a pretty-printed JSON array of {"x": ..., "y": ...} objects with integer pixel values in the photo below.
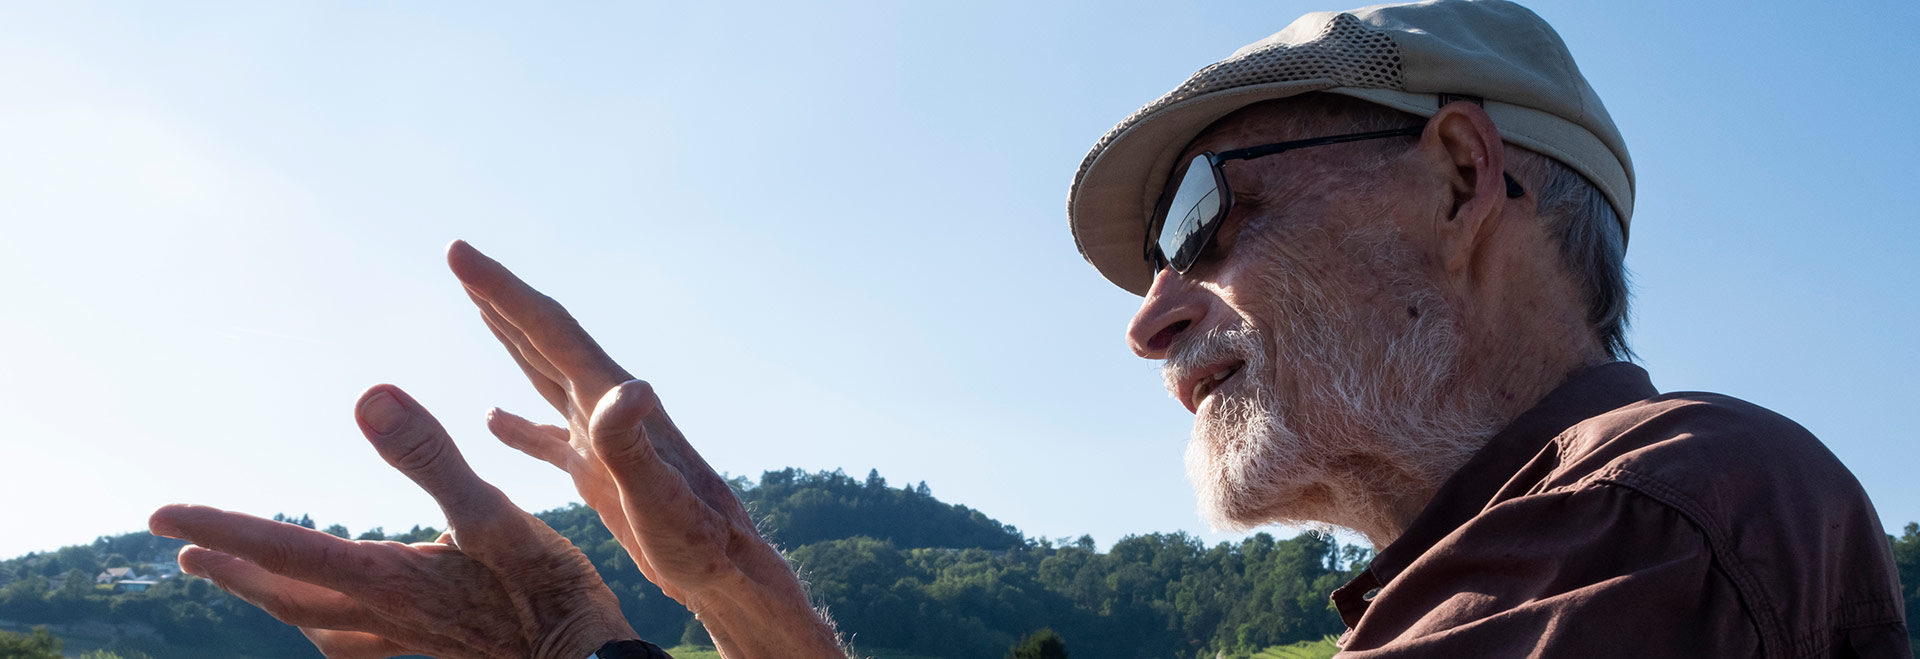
[{"x": 1201, "y": 200}]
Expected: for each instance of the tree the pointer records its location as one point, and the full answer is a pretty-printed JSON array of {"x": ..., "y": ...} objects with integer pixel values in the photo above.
[
  {"x": 1906, "y": 559},
  {"x": 1043, "y": 644},
  {"x": 417, "y": 534},
  {"x": 339, "y": 531},
  {"x": 696, "y": 634},
  {"x": 899, "y": 570},
  {"x": 41, "y": 644},
  {"x": 303, "y": 520}
]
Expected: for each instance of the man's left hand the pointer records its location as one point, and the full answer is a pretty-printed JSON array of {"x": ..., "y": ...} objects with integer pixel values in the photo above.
[{"x": 680, "y": 521}]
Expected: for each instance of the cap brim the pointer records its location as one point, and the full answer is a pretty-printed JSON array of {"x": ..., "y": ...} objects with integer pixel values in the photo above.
[{"x": 1109, "y": 205}]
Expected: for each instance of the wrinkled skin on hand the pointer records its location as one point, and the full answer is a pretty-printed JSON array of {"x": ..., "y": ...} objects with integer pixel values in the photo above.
[
  {"x": 498, "y": 584},
  {"x": 682, "y": 524}
]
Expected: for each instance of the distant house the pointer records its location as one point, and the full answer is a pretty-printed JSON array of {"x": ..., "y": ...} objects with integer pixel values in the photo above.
[
  {"x": 133, "y": 585},
  {"x": 114, "y": 574}
]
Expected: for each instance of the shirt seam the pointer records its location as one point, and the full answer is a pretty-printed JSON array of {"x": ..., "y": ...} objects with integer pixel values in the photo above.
[
  {"x": 1842, "y": 617},
  {"x": 1762, "y": 608},
  {"x": 1833, "y": 638},
  {"x": 1878, "y": 611}
]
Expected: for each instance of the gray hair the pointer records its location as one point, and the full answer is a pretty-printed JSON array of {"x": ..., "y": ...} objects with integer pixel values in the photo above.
[{"x": 1593, "y": 246}]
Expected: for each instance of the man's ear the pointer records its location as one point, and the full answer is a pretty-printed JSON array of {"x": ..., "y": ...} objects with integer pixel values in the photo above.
[{"x": 1470, "y": 159}]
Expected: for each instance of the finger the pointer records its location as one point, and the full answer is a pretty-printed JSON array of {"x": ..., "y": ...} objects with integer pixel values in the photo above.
[
  {"x": 545, "y": 378},
  {"x": 380, "y": 643},
  {"x": 552, "y": 332},
  {"x": 288, "y": 600},
  {"x": 411, "y": 440},
  {"x": 654, "y": 494},
  {"x": 516, "y": 341},
  {"x": 547, "y": 443},
  {"x": 285, "y": 549},
  {"x": 337, "y": 644},
  {"x": 552, "y": 445}
]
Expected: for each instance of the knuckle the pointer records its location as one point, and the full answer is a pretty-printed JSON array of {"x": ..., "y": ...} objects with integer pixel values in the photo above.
[
  {"x": 419, "y": 452},
  {"x": 385, "y": 578},
  {"x": 616, "y": 449},
  {"x": 637, "y": 399},
  {"x": 372, "y": 560},
  {"x": 287, "y": 609},
  {"x": 493, "y": 529},
  {"x": 277, "y": 555},
  {"x": 639, "y": 390},
  {"x": 556, "y": 316}
]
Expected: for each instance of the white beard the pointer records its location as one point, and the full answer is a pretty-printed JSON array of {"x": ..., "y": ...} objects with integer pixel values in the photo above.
[{"x": 1373, "y": 421}]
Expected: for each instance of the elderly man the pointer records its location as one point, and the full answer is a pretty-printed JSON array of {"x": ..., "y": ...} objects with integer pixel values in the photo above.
[
  {"x": 1381, "y": 253},
  {"x": 1385, "y": 272}
]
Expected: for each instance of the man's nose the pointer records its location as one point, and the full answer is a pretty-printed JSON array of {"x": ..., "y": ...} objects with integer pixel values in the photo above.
[{"x": 1172, "y": 306}]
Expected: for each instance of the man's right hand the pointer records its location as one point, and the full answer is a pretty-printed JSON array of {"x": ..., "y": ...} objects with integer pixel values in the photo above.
[
  {"x": 499, "y": 583},
  {"x": 677, "y": 518}
]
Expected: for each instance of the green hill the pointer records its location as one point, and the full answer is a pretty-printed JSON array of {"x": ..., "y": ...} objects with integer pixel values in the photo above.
[{"x": 904, "y": 574}]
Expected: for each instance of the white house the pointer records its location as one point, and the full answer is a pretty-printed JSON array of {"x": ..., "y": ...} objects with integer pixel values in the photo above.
[{"x": 114, "y": 574}]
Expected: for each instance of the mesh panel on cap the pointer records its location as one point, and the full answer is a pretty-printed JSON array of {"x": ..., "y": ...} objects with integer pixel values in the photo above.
[{"x": 1347, "y": 51}]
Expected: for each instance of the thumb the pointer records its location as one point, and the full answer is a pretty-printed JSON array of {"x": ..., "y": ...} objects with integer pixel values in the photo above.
[
  {"x": 620, "y": 439},
  {"x": 653, "y": 494},
  {"x": 411, "y": 440},
  {"x": 616, "y": 429}
]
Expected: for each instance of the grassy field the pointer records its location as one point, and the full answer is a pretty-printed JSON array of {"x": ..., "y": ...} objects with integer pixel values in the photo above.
[
  {"x": 701, "y": 652},
  {"x": 1321, "y": 649},
  {"x": 74, "y": 643}
]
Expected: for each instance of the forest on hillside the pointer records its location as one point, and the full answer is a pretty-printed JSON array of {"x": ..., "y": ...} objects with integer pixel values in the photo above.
[{"x": 903, "y": 573}]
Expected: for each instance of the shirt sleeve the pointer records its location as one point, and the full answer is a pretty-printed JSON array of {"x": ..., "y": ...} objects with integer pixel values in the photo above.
[{"x": 1594, "y": 571}]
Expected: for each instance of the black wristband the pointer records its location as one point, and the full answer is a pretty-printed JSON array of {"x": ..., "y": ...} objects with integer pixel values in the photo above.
[{"x": 631, "y": 650}]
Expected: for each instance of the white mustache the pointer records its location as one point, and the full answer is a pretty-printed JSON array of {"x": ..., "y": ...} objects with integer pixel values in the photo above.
[{"x": 1190, "y": 354}]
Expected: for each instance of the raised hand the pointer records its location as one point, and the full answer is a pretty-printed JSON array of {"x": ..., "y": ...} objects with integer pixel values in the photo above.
[
  {"x": 499, "y": 583},
  {"x": 673, "y": 513}
]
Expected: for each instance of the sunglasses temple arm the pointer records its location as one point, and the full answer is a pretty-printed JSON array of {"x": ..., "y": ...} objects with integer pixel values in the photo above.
[{"x": 1250, "y": 153}]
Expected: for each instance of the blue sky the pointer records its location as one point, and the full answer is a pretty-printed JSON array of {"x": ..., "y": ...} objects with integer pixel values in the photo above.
[{"x": 832, "y": 235}]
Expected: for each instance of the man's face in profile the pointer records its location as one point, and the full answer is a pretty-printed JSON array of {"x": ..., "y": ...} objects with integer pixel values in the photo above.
[{"x": 1317, "y": 353}]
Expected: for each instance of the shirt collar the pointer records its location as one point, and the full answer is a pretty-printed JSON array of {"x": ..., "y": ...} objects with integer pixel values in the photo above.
[{"x": 1587, "y": 394}]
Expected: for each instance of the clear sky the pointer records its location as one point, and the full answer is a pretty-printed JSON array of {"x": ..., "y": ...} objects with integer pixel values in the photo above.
[{"x": 831, "y": 235}]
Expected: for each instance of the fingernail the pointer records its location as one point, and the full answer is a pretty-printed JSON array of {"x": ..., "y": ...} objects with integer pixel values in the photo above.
[
  {"x": 383, "y": 414},
  {"x": 190, "y": 566},
  {"x": 163, "y": 528}
]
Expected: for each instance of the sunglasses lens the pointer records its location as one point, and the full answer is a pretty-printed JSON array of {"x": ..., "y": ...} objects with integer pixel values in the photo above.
[{"x": 1195, "y": 207}]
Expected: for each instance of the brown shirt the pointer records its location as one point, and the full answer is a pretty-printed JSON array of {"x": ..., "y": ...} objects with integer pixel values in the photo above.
[{"x": 1614, "y": 521}]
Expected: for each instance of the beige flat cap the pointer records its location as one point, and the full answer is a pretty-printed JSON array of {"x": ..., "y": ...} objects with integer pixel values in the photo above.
[{"x": 1401, "y": 56}]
